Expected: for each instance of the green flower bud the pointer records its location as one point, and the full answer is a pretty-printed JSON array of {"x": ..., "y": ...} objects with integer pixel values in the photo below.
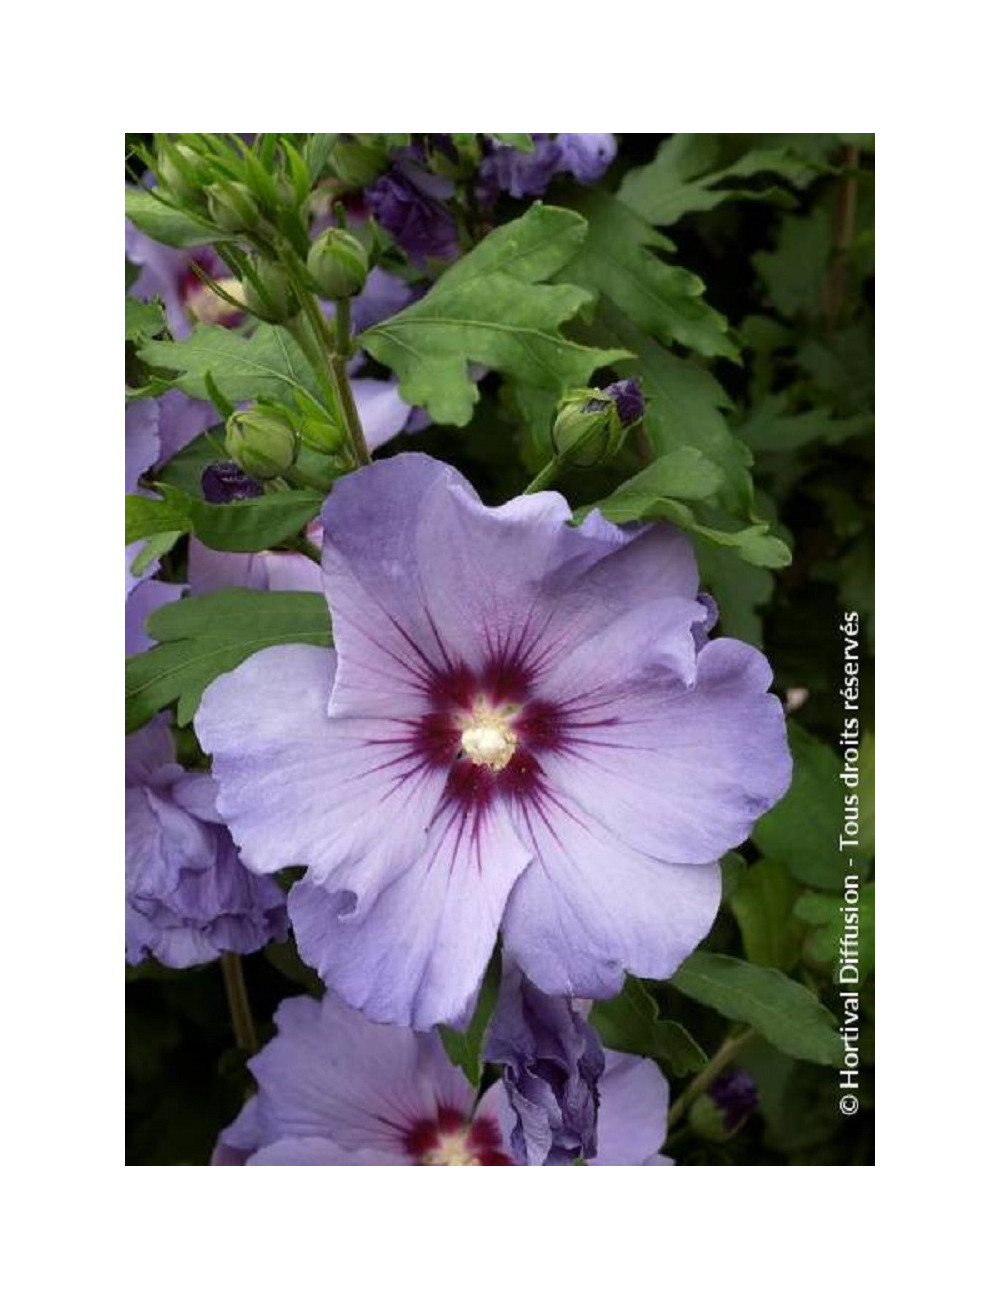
[
  {"x": 232, "y": 207},
  {"x": 338, "y": 264},
  {"x": 356, "y": 165},
  {"x": 722, "y": 1111},
  {"x": 271, "y": 298},
  {"x": 182, "y": 173},
  {"x": 707, "y": 1120},
  {"x": 587, "y": 429},
  {"x": 261, "y": 441}
]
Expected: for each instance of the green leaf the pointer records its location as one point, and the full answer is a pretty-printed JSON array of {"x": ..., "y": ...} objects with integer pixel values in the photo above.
[
  {"x": 734, "y": 868},
  {"x": 620, "y": 260},
  {"x": 823, "y": 911},
  {"x": 147, "y": 516},
  {"x": 684, "y": 473},
  {"x": 165, "y": 224},
  {"x": 520, "y": 141},
  {"x": 762, "y": 904},
  {"x": 794, "y": 273},
  {"x": 253, "y": 525},
  {"x": 631, "y": 1023},
  {"x": 268, "y": 364},
  {"x": 685, "y": 176},
  {"x": 465, "y": 1048},
  {"x": 490, "y": 308},
  {"x": 652, "y": 495},
  {"x": 143, "y": 320},
  {"x": 803, "y": 831},
  {"x": 771, "y": 428},
  {"x": 204, "y": 636},
  {"x": 157, "y": 545},
  {"x": 740, "y": 590},
  {"x": 317, "y": 151},
  {"x": 787, "y": 1014},
  {"x": 285, "y": 958},
  {"x": 245, "y": 526}
]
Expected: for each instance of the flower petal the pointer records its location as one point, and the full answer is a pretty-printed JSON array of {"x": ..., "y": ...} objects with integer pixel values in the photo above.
[
  {"x": 590, "y": 907},
  {"x": 295, "y": 788},
  {"x": 632, "y": 1116},
  {"x": 417, "y": 952},
  {"x": 319, "y": 1151}
]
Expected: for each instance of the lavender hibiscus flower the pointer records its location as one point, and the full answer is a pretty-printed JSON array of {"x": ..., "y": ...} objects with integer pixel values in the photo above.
[
  {"x": 409, "y": 203},
  {"x": 187, "y": 895},
  {"x": 335, "y": 1089},
  {"x": 527, "y": 174},
  {"x": 518, "y": 730}
]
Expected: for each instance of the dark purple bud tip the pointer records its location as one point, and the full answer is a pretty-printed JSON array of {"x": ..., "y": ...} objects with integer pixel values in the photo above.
[
  {"x": 735, "y": 1093},
  {"x": 628, "y": 399},
  {"x": 225, "y": 482}
]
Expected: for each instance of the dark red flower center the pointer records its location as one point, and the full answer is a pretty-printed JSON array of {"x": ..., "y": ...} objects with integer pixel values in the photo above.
[{"x": 452, "y": 1139}]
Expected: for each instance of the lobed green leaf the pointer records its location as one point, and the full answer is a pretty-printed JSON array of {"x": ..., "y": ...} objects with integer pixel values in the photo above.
[{"x": 202, "y": 637}]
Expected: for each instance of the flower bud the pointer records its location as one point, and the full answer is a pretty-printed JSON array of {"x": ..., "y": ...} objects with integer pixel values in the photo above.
[
  {"x": 181, "y": 171},
  {"x": 356, "y": 165},
  {"x": 587, "y": 430},
  {"x": 271, "y": 298},
  {"x": 261, "y": 441},
  {"x": 591, "y": 423},
  {"x": 629, "y": 401},
  {"x": 225, "y": 481},
  {"x": 232, "y": 207},
  {"x": 338, "y": 264},
  {"x": 723, "y": 1110}
]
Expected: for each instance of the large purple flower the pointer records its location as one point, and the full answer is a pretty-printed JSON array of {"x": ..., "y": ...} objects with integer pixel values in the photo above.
[
  {"x": 335, "y": 1089},
  {"x": 187, "y": 895},
  {"x": 521, "y": 729}
]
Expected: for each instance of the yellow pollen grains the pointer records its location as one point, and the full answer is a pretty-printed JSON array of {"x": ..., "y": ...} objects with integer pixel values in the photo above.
[
  {"x": 452, "y": 1149},
  {"x": 487, "y": 738}
]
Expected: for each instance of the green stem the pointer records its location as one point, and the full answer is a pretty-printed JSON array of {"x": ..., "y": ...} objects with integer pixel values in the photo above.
[
  {"x": 344, "y": 327},
  {"x": 729, "y": 1049},
  {"x": 545, "y": 475},
  {"x": 310, "y": 331},
  {"x": 351, "y": 417},
  {"x": 239, "y": 1004}
]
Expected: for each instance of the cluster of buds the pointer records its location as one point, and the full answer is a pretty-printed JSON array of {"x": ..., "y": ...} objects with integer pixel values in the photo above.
[{"x": 258, "y": 193}]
